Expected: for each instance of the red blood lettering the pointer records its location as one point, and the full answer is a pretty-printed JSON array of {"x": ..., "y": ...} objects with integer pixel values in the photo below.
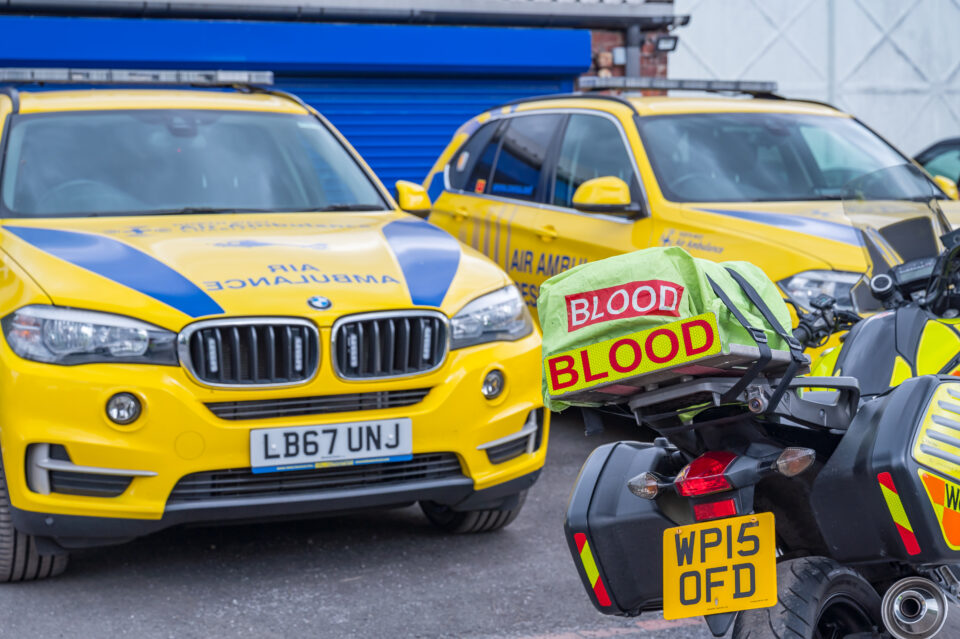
[
  {"x": 637, "y": 355},
  {"x": 688, "y": 338},
  {"x": 674, "y": 346},
  {"x": 633, "y": 299},
  {"x": 588, "y": 375},
  {"x": 567, "y": 370}
]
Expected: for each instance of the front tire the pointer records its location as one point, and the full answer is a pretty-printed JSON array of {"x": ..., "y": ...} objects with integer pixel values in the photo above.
[
  {"x": 817, "y": 599},
  {"x": 19, "y": 558},
  {"x": 470, "y": 521}
]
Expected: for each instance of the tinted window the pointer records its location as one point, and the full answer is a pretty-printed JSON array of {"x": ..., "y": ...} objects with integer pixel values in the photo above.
[
  {"x": 147, "y": 162},
  {"x": 946, "y": 164},
  {"x": 523, "y": 151},
  {"x": 466, "y": 160},
  {"x": 755, "y": 157},
  {"x": 592, "y": 147}
]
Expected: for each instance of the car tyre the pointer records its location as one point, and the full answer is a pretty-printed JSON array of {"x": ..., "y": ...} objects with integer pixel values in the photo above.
[
  {"x": 817, "y": 597},
  {"x": 470, "y": 521},
  {"x": 20, "y": 560}
]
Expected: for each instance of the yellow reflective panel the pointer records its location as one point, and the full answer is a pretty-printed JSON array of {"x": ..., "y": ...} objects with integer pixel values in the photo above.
[
  {"x": 901, "y": 372},
  {"x": 938, "y": 345},
  {"x": 826, "y": 364}
]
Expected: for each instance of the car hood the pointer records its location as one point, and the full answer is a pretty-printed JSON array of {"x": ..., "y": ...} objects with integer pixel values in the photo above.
[
  {"x": 171, "y": 270},
  {"x": 826, "y": 231}
]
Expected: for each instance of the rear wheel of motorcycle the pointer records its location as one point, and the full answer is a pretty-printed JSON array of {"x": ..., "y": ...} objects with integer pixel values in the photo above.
[
  {"x": 470, "y": 521},
  {"x": 818, "y": 599}
]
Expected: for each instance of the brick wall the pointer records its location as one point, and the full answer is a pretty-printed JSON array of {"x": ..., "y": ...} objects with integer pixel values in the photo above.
[{"x": 652, "y": 64}]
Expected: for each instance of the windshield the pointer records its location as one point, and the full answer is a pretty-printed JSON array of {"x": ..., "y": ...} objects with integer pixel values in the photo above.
[
  {"x": 152, "y": 162},
  {"x": 763, "y": 157}
]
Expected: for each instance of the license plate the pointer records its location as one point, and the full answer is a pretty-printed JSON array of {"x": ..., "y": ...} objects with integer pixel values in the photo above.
[
  {"x": 306, "y": 447},
  {"x": 719, "y": 566}
]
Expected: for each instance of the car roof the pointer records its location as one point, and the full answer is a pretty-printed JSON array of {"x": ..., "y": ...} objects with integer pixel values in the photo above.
[
  {"x": 668, "y": 105},
  {"x": 33, "y": 101}
]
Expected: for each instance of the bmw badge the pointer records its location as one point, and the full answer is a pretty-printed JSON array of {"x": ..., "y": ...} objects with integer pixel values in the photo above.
[{"x": 319, "y": 302}]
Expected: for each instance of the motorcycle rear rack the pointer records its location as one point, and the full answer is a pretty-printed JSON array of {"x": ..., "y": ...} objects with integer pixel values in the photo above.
[{"x": 832, "y": 408}]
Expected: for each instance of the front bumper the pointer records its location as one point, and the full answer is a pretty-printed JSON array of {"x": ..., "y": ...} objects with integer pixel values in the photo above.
[
  {"x": 73, "y": 531},
  {"x": 178, "y": 435}
]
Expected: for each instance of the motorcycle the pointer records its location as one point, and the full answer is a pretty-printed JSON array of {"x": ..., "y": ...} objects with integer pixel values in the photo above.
[{"x": 810, "y": 507}]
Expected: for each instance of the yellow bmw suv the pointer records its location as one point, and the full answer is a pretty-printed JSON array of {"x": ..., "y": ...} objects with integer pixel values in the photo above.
[
  {"x": 545, "y": 184},
  {"x": 212, "y": 310}
]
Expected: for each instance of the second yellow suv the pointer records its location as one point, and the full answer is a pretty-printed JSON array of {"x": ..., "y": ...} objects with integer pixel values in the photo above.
[{"x": 545, "y": 184}]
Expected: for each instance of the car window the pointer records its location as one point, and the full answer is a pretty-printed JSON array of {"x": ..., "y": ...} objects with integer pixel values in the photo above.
[
  {"x": 592, "y": 147},
  {"x": 523, "y": 152},
  {"x": 756, "y": 157},
  {"x": 159, "y": 161},
  {"x": 946, "y": 164},
  {"x": 466, "y": 160}
]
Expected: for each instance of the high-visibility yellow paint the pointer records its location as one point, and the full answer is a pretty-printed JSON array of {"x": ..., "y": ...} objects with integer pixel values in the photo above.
[
  {"x": 901, "y": 371},
  {"x": 938, "y": 345}
]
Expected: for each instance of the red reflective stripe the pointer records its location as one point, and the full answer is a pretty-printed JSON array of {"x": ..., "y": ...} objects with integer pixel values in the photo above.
[
  {"x": 909, "y": 540},
  {"x": 886, "y": 480},
  {"x": 601, "y": 593},
  {"x": 581, "y": 539}
]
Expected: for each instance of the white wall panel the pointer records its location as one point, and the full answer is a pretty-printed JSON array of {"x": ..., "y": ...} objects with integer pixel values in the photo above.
[{"x": 895, "y": 64}]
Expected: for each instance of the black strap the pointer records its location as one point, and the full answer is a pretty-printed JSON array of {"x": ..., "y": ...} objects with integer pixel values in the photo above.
[
  {"x": 758, "y": 336},
  {"x": 796, "y": 348}
]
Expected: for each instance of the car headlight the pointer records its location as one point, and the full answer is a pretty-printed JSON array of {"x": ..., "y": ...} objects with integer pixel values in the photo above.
[
  {"x": 69, "y": 336},
  {"x": 497, "y": 316},
  {"x": 803, "y": 287}
]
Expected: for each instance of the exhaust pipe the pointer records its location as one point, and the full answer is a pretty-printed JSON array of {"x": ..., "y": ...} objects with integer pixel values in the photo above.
[{"x": 914, "y": 608}]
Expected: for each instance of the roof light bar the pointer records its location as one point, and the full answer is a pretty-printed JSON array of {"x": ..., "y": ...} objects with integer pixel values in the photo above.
[
  {"x": 16, "y": 75},
  {"x": 669, "y": 84}
]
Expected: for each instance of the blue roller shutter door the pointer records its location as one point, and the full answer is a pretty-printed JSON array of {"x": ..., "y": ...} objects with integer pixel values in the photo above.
[{"x": 401, "y": 124}]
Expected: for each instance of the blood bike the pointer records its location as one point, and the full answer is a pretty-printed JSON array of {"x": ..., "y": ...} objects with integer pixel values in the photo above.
[{"x": 820, "y": 506}]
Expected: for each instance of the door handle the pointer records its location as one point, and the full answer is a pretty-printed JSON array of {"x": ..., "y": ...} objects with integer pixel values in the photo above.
[
  {"x": 547, "y": 233},
  {"x": 460, "y": 213}
]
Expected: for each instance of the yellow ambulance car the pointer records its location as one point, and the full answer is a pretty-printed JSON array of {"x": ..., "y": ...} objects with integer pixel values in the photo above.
[
  {"x": 543, "y": 185},
  {"x": 213, "y": 310}
]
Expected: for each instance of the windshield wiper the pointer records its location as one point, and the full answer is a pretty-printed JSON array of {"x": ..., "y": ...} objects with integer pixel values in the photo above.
[
  {"x": 347, "y": 207},
  {"x": 194, "y": 210}
]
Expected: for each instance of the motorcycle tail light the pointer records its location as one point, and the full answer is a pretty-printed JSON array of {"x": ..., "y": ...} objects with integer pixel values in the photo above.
[
  {"x": 715, "y": 510},
  {"x": 705, "y": 474}
]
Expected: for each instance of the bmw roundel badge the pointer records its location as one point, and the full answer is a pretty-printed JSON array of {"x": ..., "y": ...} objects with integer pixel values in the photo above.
[{"x": 319, "y": 302}]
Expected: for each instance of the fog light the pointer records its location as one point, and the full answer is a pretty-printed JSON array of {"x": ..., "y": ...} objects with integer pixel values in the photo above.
[
  {"x": 123, "y": 408},
  {"x": 492, "y": 385}
]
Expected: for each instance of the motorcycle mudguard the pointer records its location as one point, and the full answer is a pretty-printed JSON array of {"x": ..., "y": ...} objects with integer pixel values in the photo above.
[
  {"x": 891, "y": 489},
  {"x": 614, "y": 536}
]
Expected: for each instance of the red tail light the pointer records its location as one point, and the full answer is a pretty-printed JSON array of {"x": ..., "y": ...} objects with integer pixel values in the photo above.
[
  {"x": 704, "y": 475},
  {"x": 715, "y": 510}
]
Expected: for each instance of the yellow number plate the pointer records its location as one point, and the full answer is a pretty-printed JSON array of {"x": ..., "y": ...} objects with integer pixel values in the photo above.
[{"x": 719, "y": 566}]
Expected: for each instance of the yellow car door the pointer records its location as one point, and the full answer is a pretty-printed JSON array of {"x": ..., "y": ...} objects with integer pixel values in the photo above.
[
  {"x": 592, "y": 145},
  {"x": 496, "y": 183}
]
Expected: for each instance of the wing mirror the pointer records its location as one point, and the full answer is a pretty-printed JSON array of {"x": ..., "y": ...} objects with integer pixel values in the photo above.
[
  {"x": 413, "y": 198},
  {"x": 948, "y": 186},
  {"x": 607, "y": 194}
]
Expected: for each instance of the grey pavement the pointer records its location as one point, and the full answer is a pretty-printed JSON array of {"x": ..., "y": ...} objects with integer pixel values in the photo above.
[{"x": 380, "y": 574}]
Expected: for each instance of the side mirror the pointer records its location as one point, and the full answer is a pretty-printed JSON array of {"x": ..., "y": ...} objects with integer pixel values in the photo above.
[
  {"x": 949, "y": 186},
  {"x": 604, "y": 195},
  {"x": 413, "y": 198}
]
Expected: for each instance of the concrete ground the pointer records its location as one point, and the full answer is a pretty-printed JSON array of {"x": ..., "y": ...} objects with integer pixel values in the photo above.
[{"x": 384, "y": 574}]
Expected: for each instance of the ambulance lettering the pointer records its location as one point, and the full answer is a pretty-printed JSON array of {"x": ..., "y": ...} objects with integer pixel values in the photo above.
[
  {"x": 945, "y": 498},
  {"x": 634, "y": 299}
]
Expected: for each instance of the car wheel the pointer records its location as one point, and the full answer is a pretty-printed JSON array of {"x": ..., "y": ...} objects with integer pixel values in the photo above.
[
  {"x": 19, "y": 558},
  {"x": 470, "y": 521},
  {"x": 817, "y": 599}
]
